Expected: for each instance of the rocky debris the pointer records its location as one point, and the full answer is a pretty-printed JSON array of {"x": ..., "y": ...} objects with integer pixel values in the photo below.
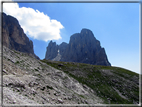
[
  {"x": 113, "y": 84},
  {"x": 83, "y": 48},
  {"x": 14, "y": 37},
  {"x": 30, "y": 81},
  {"x": 60, "y": 101},
  {"x": 13, "y": 97},
  {"x": 4, "y": 71},
  {"x": 57, "y": 58}
]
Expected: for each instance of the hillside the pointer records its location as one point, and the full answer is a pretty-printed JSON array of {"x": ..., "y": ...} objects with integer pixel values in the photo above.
[
  {"x": 27, "y": 80},
  {"x": 113, "y": 84}
]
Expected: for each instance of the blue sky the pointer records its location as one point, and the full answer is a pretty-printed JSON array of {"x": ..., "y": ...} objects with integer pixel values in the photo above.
[{"x": 115, "y": 25}]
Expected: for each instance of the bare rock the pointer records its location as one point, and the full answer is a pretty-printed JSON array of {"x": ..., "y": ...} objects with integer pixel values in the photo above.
[
  {"x": 83, "y": 47},
  {"x": 14, "y": 36}
]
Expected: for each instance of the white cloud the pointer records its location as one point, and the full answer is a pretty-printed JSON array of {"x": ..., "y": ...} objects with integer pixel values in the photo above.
[{"x": 36, "y": 24}]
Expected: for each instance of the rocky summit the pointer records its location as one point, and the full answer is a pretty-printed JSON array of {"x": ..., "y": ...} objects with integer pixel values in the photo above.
[
  {"x": 83, "y": 47},
  {"x": 14, "y": 37}
]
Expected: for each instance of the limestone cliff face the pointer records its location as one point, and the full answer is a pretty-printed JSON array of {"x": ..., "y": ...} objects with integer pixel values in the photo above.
[
  {"x": 83, "y": 47},
  {"x": 14, "y": 37},
  {"x": 62, "y": 48},
  {"x": 52, "y": 50}
]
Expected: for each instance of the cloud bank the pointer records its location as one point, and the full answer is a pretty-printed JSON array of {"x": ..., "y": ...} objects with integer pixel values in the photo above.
[{"x": 35, "y": 24}]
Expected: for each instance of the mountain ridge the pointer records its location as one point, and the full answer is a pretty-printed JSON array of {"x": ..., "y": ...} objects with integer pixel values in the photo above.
[
  {"x": 106, "y": 81},
  {"x": 13, "y": 36},
  {"x": 83, "y": 47}
]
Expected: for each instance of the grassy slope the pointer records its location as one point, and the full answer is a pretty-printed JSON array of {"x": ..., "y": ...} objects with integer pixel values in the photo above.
[{"x": 114, "y": 85}]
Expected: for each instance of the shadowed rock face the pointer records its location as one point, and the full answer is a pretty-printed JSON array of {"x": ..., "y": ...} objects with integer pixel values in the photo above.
[
  {"x": 14, "y": 36},
  {"x": 62, "y": 47},
  {"x": 53, "y": 50},
  {"x": 83, "y": 47}
]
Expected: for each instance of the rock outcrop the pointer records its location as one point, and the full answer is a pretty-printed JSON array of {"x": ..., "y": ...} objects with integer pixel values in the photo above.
[
  {"x": 14, "y": 37},
  {"x": 52, "y": 50},
  {"x": 83, "y": 48},
  {"x": 62, "y": 47}
]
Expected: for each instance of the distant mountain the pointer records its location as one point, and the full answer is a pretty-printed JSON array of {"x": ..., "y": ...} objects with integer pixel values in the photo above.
[
  {"x": 83, "y": 48},
  {"x": 14, "y": 37},
  {"x": 53, "y": 50}
]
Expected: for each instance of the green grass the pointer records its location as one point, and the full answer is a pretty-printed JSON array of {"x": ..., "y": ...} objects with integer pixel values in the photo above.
[
  {"x": 93, "y": 77},
  {"x": 16, "y": 52}
]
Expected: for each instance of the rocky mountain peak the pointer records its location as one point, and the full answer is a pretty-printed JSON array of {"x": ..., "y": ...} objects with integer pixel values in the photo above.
[
  {"x": 14, "y": 36},
  {"x": 86, "y": 32},
  {"x": 52, "y": 43},
  {"x": 63, "y": 44},
  {"x": 52, "y": 50},
  {"x": 83, "y": 47}
]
